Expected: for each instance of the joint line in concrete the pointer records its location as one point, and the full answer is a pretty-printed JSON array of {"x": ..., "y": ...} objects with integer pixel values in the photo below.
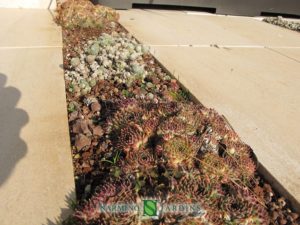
[
  {"x": 223, "y": 46},
  {"x": 29, "y": 47}
]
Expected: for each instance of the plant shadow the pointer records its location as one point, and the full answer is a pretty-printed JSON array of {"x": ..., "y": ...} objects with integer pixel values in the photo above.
[
  {"x": 12, "y": 119},
  {"x": 65, "y": 213}
]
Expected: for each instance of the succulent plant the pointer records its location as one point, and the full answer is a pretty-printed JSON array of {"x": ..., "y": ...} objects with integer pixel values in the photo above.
[
  {"x": 241, "y": 162},
  {"x": 188, "y": 183},
  {"x": 112, "y": 192},
  {"x": 184, "y": 194},
  {"x": 242, "y": 207},
  {"x": 94, "y": 49},
  {"x": 82, "y": 13},
  {"x": 172, "y": 127},
  {"x": 131, "y": 138},
  {"x": 141, "y": 161},
  {"x": 194, "y": 117},
  {"x": 180, "y": 151},
  {"x": 75, "y": 62},
  {"x": 217, "y": 168},
  {"x": 122, "y": 118},
  {"x": 150, "y": 125},
  {"x": 166, "y": 108}
]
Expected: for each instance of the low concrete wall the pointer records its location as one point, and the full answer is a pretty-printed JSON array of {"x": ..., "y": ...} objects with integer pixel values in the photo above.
[
  {"x": 39, "y": 4},
  {"x": 230, "y": 7}
]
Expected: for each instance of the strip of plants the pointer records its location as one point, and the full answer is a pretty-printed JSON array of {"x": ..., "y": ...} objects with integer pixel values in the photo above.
[
  {"x": 138, "y": 138},
  {"x": 280, "y": 21}
]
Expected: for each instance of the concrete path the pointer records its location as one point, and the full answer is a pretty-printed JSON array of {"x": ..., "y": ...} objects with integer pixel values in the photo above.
[
  {"x": 246, "y": 69},
  {"x": 37, "y": 4},
  {"x": 36, "y": 173}
]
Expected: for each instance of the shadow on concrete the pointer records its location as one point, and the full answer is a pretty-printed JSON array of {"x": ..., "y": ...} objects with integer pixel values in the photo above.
[
  {"x": 65, "y": 213},
  {"x": 12, "y": 119},
  {"x": 50, "y": 3}
]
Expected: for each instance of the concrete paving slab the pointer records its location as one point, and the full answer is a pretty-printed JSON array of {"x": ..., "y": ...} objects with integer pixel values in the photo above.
[
  {"x": 244, "y": 68},
  {"x": 292, "y": 53},
  {"x": 36, "y": 172},
  {"x": 29, "y": 28},
  {"x": 179, "y": 27},
  {"x": 40, "y": 4}
]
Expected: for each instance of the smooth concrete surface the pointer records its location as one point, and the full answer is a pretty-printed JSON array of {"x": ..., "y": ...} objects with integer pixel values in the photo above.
[
  {"x": 182, "y": 28},
  {"x": 246, "y": 69},
  {"x": 36, "y": 172},
  {"x": 39, "y": 4},
  {"x": 292, "y": 53},
  {"x": 29, "y": 28}
]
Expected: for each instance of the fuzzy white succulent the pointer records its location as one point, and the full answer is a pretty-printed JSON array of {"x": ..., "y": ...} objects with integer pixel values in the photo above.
[{"x": 110, "y": 57}]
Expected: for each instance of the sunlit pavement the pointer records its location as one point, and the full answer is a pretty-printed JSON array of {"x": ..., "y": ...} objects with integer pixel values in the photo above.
[{"x": 36, "y": 173}]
